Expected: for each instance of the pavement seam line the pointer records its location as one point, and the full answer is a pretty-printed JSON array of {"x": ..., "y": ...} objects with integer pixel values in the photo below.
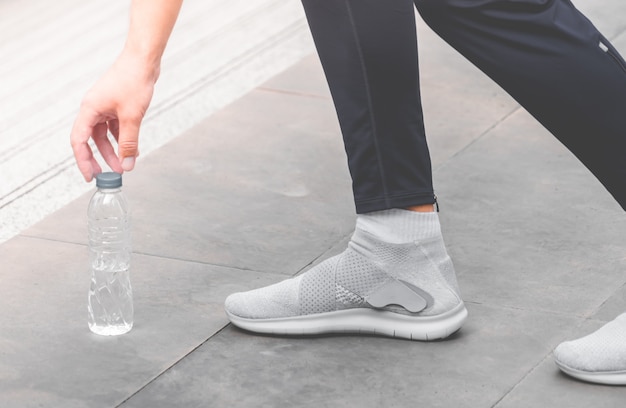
[
  {"x": 322, "y": 255},
  {"x": 171, "y": 258},
  {"x": 516, "y": 385},
  {"x": 479, "y": 137},
  {"x": 174, "y": 364},
  {"x": 292, "y": 93}
]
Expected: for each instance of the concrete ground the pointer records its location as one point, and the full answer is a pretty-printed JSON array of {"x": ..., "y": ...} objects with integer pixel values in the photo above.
[
  {"x": 259, "y": 191},
  {"x": 51, "y": 52}
]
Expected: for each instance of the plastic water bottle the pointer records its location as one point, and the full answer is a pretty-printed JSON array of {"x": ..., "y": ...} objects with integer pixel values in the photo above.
[{"x": 110, "y": 301}]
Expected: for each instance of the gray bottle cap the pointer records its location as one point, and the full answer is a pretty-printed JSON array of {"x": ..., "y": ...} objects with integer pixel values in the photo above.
[{"x": 109, "y": 180}]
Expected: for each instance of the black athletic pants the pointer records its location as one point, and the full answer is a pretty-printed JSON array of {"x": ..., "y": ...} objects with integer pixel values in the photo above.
[{"x": 544, "y": 53}]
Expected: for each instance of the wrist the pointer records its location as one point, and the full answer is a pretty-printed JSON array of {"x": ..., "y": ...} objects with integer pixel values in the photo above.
[{"x": 147, "y": 62}]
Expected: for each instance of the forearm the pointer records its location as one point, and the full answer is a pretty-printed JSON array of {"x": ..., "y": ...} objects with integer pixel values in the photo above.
[{"x": 151, "y": 23}]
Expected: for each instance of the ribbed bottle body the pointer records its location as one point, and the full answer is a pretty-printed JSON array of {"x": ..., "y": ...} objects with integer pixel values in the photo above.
[{"x": 110, "y": 299}]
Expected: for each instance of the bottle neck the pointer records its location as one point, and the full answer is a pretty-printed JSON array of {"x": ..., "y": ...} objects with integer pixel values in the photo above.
[{"x": 109, "y": 190}]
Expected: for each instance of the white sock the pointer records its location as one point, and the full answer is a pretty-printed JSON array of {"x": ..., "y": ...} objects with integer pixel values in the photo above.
[{"x": 397, "y": 226}]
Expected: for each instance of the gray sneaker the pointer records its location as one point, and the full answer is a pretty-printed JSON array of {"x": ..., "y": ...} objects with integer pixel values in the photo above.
[
  {"x": 599, "y": 357},
  {"x": 398, "y": 290}
]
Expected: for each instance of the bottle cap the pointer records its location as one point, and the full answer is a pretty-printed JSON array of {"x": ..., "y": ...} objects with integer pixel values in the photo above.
[{"x": 109, "y": 180}]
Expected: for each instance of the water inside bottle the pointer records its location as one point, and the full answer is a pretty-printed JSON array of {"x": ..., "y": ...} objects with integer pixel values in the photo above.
[{"x": 110, "y": 302}]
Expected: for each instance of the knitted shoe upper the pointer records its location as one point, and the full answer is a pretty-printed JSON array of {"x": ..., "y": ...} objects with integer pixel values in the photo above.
[
  {"x": 347, "y": 280},
  {"x": 601, "y": 351}
]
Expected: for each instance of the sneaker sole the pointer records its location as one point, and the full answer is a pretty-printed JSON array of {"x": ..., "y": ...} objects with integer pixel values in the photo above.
[
  {"x": 361, "y": 320},
  {"x": 606, "y": 377}
]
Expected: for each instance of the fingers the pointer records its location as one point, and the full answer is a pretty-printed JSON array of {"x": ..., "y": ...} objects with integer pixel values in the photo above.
[
  {"x": 85, "y": 160},
  {"x": 79, "y": 138},
  {"x": 92, "y": 126},
  {"x": 114, "y": 128},
  {"x": 99, "y": 136},
  {"x": 116, "y": 103},
  {"x": 128, "y": 142}
]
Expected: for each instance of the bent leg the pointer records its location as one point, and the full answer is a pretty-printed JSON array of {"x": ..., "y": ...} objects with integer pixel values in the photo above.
[
  {"x": 555, "y": 63},
  {"x": 368, "y": 49},
  {"x": 395, "y": 278}
]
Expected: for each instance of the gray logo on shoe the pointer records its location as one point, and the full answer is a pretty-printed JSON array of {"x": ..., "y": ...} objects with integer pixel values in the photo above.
[{"x": 399, "y": 293}]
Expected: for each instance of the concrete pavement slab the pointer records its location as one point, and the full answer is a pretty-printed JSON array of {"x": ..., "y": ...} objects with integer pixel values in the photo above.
[
  {"x": 260, "y": 191},
  {"x": 474, "y": 368},
  {"x": 51, "y": 55},
  {"x": 269, "y": 166},
  {"x": 48, "y": 356},
  {"x": 613, "y": 306},
  {"x": 547, "y": 387},
  {"x": 528, "y": 226},
  {"x": 607, "y": 15}
]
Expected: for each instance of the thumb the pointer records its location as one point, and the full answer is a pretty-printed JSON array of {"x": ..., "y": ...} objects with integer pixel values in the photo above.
[{"x": 128, "y": 143}]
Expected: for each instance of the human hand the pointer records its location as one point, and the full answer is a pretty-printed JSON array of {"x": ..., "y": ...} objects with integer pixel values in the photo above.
[{"x": 117, "y": 103}]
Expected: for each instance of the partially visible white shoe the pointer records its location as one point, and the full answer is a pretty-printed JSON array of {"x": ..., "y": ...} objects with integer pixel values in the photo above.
[
  {"x": 599, "y": 357},
  {"x": 397, "y": 290}
]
